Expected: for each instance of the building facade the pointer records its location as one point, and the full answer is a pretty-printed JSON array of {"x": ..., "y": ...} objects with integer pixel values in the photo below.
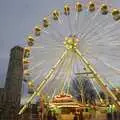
[{"x": 11, "y": 94}]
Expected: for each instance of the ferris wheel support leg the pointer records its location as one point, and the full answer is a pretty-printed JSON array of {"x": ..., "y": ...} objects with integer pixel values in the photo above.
[
  {"x": 40, "y": 87},
  {"x": 98, "y": 79}
]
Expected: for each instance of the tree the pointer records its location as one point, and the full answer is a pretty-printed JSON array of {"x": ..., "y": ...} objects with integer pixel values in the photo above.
[{"x": 82, "y": 89}]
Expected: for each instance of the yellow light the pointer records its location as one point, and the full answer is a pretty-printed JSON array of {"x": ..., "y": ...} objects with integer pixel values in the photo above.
[
  {"x": 26, "y": 72},
  {"x": 30, "y": 84},
  {"x": 27, "y": 49},
  {"x": 26, "y": 52},
  {"x": 91, "y": 7},
  {"x": 66, "y": 9},
  {"x": 55, "y": 14},
  {"x": 38, "y": 94},
  {"x": 26, "y": 61},
  {"x": 71, "y": 42},
  {"x": 45, "y": 22},
  {"x": 104, "y": 9},
  {"x": 101, "y": 100},
  {"x": 116, "y": 14},
  {"x": 78, "y": 7},
  {"x": 70, "y": 47},
  {"x": 37, "y": 30},
  {"x": 64, "y": 43},
  {"x": 30, "y": 38}
]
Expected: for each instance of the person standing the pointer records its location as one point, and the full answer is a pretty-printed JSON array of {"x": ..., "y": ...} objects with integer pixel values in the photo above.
[
  {"x": 49, "y": 115},
  {"x": 114, "y": 113},
  {"x": 75, "y": 117},
  {"x": 109, "y": 112},
  {"x": 81, "y": 114},
  {"x": 54, "y": 117}
]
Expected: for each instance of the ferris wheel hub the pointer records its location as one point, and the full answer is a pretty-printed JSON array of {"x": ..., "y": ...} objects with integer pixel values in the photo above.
[{"x": 71, "y": 42}]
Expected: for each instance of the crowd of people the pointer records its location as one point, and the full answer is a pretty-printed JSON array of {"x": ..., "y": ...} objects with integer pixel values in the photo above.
[
  {"x": 89, "y": 113},
  {"x": 93, "y": 114}
]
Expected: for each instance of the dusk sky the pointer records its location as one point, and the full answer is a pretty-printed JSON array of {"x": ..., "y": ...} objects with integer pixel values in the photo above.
[{"x": 17, "y": 19}]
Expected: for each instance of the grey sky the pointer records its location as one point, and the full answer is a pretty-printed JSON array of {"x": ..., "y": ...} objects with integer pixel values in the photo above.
[{"x": 17, "y": 18}]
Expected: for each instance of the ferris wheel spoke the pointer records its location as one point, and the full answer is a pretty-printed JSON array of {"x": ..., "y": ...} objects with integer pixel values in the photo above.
[
  {"x": 79, "y": 81},
  {"x": 105, "y": 28},
  {"x": 56, "y": 75},
  {"x": 37, "y": 77},
  {"x": 113, "y": 34},
  {"x": 57, "y": 32},
  {"x": 69, "y": 25},
  {"x": 51, "y": 36},
  {"x": 62, "y": 21},
  {"x": 70, "y": 72},
  {"x": 111, "y": 84},
  {"x": 59, "y": 77},
  {"x": 82, "y": 24},
  {"x": 102, "y": 33},
  {"x": 54, "y": 93},
  {"x": 104, "y": 52},
  {"x": 65, "y": 81},
  {"x": 60, "y": 84},
  {"x": 95, "y": 88},
  {"x": 83, "y": 21},
  {"x": 93, "y": 29},
  {"x": 90, "y": 21},
  {"x": 75, "y": 65},
  {"x": 116, "y": 70},
  {"x": 97, "y": 92},
  {"x": 112, "y": 25},
  {"x": 37, "y": 47},
  {"x": 103, "y": 41},
  {"x": 35, "y": 66},
  {"x": 112, "y": 41},
  {"x": 102, "y": 27},
  {"x": 107, "y": 39},
  {"x": 108, "y": 29},
  {"x": 77, "y": 19},
  {"x": 51, "y": 48},
  {"x": 63, "y": 76},
  {"x": 115, "y": 42},
  {"x": 87, "y": 23},
  {"x": 68, "y": 79},
  {"x": 66, "y": 72}
]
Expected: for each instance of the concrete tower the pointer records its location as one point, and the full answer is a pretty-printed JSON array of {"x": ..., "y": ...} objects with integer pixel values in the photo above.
[{"x": 13, "y": 84}]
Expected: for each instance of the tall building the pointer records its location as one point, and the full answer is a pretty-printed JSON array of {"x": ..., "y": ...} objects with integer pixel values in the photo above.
[
  {"x": 13, "y": 85},
  {"x": 2, "y": 99}
]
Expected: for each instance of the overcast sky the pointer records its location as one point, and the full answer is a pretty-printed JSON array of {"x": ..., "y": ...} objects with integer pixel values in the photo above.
[{"x": 17, "y": 18}]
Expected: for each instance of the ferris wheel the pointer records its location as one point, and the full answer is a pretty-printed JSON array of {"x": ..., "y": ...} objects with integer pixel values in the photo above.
[{"x": 82, "y": 38}]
